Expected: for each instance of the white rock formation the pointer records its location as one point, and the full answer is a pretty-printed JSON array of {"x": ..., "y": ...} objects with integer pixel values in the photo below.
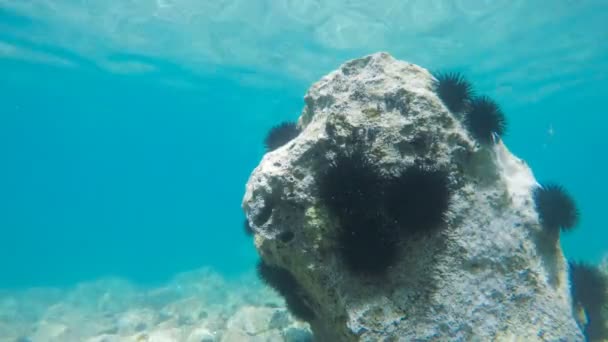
[{"x": 490, "y": 275}]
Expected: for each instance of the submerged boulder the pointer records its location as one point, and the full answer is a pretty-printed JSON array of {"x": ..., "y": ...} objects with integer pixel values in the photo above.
[{"x": 487, "y": 271}]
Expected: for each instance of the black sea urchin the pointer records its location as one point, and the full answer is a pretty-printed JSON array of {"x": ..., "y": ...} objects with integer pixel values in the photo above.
[
  {"x": 352, "y": 190},
  {"x": 556, "y": 208},
  {"x": 454, "y": 90},
  {"x": 350, "y": 184},
  {"x": 367, "y": 243},
  {"x": 276, "y": 277},
  {"x": 589, "y": 287},
  {"x": 280, "y": 135},
  {"x": 284, "y": 283},
  {"x": 419, "y": 199},
  {"x": 485, "y": 118}
]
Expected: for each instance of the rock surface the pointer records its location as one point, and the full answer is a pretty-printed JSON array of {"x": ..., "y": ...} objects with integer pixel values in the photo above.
[
  {"x": 490, "y": 275},
  {"x": 604, "y": 270}
]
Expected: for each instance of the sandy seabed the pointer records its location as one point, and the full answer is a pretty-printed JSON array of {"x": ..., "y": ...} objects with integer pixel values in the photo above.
[{"x": 197, "y": 306}]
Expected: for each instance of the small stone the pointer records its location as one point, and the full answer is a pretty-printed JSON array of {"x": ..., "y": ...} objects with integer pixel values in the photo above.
[
  {"x": 201, "y": 334},
  {"x": 279, "y": 320},
  {"x": 251, "y": 320}
]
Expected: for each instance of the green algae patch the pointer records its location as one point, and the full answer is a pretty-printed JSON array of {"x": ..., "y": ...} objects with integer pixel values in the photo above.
[{"x": 372, "y": 112}]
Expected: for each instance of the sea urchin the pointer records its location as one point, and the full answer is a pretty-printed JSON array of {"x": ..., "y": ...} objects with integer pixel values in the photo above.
[
  {"x": 350, "y": 184},
  {"x": 367, "y": 243},
  {"x": 556, "y": 208},
  {"x": 352, "y": 190},
  {"x": 285, "y": 284},
  {"x": 454, "y": 90},
  {"x": 485, "y": 118},
  {"x": 280, "y": 135},
  {"x": 418, "y": 199}
]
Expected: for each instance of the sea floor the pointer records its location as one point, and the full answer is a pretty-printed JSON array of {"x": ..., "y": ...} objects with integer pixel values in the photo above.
[{"x": 198, "y": 306}]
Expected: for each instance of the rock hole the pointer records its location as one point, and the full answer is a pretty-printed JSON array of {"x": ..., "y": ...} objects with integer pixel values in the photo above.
[
  {"x": 286, "y": 236},
  {"x": 264, "y": 214}
]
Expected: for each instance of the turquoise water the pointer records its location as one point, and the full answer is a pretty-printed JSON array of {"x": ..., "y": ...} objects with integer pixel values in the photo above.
[{"x": 128, "y": 129}]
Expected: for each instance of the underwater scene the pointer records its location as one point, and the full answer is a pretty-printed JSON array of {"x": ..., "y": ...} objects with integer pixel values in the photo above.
[{"x": 281, "y": 170}]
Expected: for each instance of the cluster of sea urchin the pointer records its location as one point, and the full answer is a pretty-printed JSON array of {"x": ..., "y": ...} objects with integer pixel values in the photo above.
[
  {"x": 352, "y": 190},
  {"x": 374, "y": 212},
  {"x": 419, "y": 198},
  {"x": 556, "y": 208},
  {"x": 483, "y": 117},
  {"x": 350, "y": 184}
]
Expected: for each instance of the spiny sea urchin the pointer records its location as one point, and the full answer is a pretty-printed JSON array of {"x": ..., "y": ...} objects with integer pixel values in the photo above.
[
  {"x": 589, "y": 288},
  {"x": 454, "y": 90},
  {"x": 280, "y": 135},
  {"x": 352, "y": 190},
  {"x": 367, "y": 243},
  {"x": 485, "y": 118},
  {"x": 276, "y": 277},
  {"x": 350, "y": 184},
  {"x": 556, "y": 208},
  {"x": 419, "y": 198},
  {"x": 285, "y": 284}
]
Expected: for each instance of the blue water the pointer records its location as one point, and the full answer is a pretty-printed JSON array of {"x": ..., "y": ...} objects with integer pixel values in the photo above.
[
  {"x": 141, "y": 173},
  {"x": 109, "y": 175}
]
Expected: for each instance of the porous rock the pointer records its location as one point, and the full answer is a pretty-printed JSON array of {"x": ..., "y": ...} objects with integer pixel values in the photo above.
[{"x": 491, "y": 274}]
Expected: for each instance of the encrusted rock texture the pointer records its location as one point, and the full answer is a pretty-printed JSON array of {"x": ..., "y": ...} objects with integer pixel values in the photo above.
[{"x": 491, "y": 274}]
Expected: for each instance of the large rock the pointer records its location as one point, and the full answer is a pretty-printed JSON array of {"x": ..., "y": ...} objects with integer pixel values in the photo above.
[{"x": 491, "y": 274}]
